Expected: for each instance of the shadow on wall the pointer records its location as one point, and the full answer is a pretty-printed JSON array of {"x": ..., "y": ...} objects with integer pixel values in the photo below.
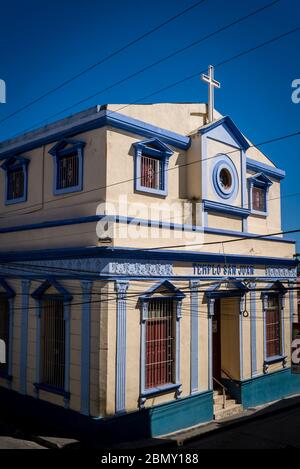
[{"x": 37, "y": 417}]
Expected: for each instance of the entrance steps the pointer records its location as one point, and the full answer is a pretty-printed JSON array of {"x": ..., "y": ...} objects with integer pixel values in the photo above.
[{"x": 224, "y": 409}]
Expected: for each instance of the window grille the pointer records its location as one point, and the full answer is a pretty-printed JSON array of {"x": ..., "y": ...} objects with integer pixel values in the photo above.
[
  {"x": 53, "y": 343},
  {"x": 259, "y": 199},
  {"x": 15, "y": 184},
  {"x": 160, "y": 343},
  {"x": 68, "y": 171},
  {"x": 273, "y": 326},
  {"x": 151, "y": 172},
  {"x": 4, "y": 330}
]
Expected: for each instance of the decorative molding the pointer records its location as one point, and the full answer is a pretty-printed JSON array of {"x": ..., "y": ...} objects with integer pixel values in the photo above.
[
  {"x": 141, "y": 222},
  {"x": 231, "y": 128},
  {"x": 11, "y": 164},
  {"x": 152, "y": 147},
  {"x": 81, "y": 123},
  {"x": 25, "y": 284},
  {"x": 223, "y": 161},
  {"x": 211, "y": 312},
  {"x": 194, "y": 347},
  {"x": 268, "y": 170},
  {"x": 85, "y": 346},
  {"x": 60, "y": 150},
  {"x": 212, "y": 206},
  {"x": 241, "y": 332},
  {"x": 253, "y": 326},
  {"x": 144, "y": 299},
  {"x": 121, "y": 287}
]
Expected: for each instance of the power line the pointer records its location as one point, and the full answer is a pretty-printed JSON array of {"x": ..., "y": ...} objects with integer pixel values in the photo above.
[
  {"x": 125, "y": 181},
  {"x": 163, "y": 59},
  {"x": 170, "y": 85},
  {"x": 103, "y": 60}
]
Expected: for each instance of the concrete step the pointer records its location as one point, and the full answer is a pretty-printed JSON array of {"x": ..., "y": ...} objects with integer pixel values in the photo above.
[
  {"x": 228, "y": 404},
  {"x": 228, "y": 412},
  {"x": 219, "y": 399}
]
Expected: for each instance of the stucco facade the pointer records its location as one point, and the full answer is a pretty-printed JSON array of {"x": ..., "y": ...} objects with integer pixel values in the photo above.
[{"x": 110, "y": 247}]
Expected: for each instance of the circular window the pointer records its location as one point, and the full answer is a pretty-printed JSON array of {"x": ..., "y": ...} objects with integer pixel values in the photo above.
[{"x": 225, "y": 178}]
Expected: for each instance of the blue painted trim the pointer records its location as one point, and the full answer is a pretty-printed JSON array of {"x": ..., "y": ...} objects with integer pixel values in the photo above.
[
  {"x": 121, "y": 287},
  {"x": 38, "y": 310},
  {"x": 194, "y": 347},
  {"x": 67, "y": 312},
  {"x": 221, "y": 162},
  {"x": 166, "y": 285},
  {"x": 292, "y": 308},
  {"x": 210, "y": 315},
  {"x": 94, "y": 121},
  {"x": 159, "y": 254},
  {"x": 230, "y": 126},
  {"x": 12, "y": 164},
  {"x": 212, "y": 206},
  {"x": 178, "y": 296},
  {"x": 9, "y": 292},
  {"x": 261, "y": 181},
  {"x": 257, "y": 166},
  {"x": 11, "y": 302},
  {"x": 41, "y": 291},
  {"x": 156, "y": 148},
  {"x": 140, "y": 221},
  {"x": 275, "y": 359},
  {"x": 85, "y": 346},
  {"x": 160, "y": 390},
  {"x": 24, "y": 335},
  {"x": 52, "y": 389},
  {"x": 59, "y": 151},
  {"x": 253, "y": 325}
]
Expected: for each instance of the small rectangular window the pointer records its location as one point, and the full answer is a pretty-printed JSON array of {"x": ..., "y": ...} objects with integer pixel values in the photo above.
[
  {"x": 259, "y": 199},
  {"x": 68, "y": 171},
  {"x": 160, "y": 343},
  {"x": 273, "y": 326},
  {"x": 4, "y": 330},
  {"x": 151, "y": 172},
  {"x": 53, "y": 343},
  {"x": 15, "y": 184}
]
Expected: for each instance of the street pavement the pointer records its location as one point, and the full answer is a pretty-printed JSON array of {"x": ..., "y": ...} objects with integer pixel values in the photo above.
[
  {"x": 274, "y": 431},
  {"x": 12, "y": 438}
]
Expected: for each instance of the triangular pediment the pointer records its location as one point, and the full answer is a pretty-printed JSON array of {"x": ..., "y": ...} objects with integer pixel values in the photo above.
[
  {"x": 51, "y": 287},
  {"x": 5, "y": 289},
  {"x": 163, "y": 288},
  {"x": 154, "y": 144},
  {"x": 225, "y": 131},
  {"x": 66, "y": 144}
]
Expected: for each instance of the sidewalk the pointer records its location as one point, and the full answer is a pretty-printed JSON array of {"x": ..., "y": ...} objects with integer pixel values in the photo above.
[
  {"x": 172, "y": 440},
  {"x": 186, "y": 436}
]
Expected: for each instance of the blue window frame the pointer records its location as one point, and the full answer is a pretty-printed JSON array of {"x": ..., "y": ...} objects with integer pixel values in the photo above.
[
  {"x": 53, "y": 338},
  {"x": 259, "y": 185},
  {"x": 154, "y": 307},
  {"x": 68, "y": 166},
  {"x": 151, "y": 167},
  {"x": 16, "y": 179}
]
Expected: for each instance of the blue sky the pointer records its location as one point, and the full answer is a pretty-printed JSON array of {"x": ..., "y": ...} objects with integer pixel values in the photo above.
[{"x": 45, "y": 43}]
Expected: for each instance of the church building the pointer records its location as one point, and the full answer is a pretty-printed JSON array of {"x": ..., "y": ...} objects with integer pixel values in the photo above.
[{"x": 145, "y": 283}]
